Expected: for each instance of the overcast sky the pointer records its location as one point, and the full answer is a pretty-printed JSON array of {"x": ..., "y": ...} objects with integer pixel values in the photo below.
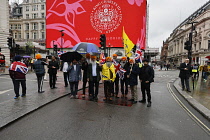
[{"x": 165, "y": 15}]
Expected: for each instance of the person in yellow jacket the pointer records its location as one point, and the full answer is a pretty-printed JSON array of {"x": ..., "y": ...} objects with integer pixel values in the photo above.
[{"x": 108, "y": 77}]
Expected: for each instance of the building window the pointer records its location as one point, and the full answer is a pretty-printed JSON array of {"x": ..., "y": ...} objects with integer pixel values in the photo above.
[
  {"x": 42, "y": 7},
  {"x": 27, "y": 26},
  {"x": 15, "y": 26},
  {"x": 34, "y": 1},
  {"x": 27, "y": 1},
  {"x": 35, "y": 35},
  {"x": 43, "y": 35},
  {"x": 35, "y": 8},
  {"x": 42, "y": 26},
  {"x": 199, "y": 45},
  {"x": 27, "y": 8},
  {"x": 19, "y": 26},
  {"x": 35, "y": 26},
  {"x": 27, "y": 16},
  {"x": 35, "y": 15},
  {"x": 27, "y": 35},
  {"x": 11, "y": 26},
  {"x": 15, "y": 35},
  {"x": 43, "y": 16},
  {"x": 19, "y": 35},
  {"x": 194, "y": 47}
]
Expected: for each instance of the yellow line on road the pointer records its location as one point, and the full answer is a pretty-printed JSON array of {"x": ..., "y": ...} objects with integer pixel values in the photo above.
[{"x": 196, "y": 119}]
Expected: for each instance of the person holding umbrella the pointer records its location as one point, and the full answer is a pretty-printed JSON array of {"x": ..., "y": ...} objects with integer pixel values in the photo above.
[
  {"x": 74, "y": 77},
  {"x": 52, "y": 71},
  {"x": 93, "y": 76},
  {"x": 108, "y": 77},
  {"x": 39, "y": 69}
]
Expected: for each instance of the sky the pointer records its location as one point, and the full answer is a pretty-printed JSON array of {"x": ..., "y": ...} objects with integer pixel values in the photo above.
[{"x": 165, "y": 16}]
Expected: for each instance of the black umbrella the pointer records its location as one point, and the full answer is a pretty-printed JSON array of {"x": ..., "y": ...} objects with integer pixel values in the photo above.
[{"x": 70, "y": 56}]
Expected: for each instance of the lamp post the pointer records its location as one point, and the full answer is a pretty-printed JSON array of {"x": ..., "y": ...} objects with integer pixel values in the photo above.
[
  {"x": 190, "y": 40},
  {"x": 62, "y": 34}
]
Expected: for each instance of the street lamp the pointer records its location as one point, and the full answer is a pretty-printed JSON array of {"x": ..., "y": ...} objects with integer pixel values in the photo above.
[{"x": 62, "y": 34}]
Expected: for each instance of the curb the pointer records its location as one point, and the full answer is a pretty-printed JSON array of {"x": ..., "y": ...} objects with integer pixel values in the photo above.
[
  {"x": 8, "y": 119},
  {"x": 195, "y": 104}
]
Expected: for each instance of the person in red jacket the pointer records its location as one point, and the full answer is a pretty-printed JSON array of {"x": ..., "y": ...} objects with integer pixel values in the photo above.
[{"x": 17, "y": 73}]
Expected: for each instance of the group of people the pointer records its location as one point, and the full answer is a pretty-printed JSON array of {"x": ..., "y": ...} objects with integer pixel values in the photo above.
[{"x": 112, "y": 71}]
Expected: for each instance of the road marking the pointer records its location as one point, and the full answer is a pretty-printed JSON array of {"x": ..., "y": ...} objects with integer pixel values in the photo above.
[
  {"x": 2, "y": 92},
  {"x": 28, "y": 80},
  {"x": 192, "y": 116}
]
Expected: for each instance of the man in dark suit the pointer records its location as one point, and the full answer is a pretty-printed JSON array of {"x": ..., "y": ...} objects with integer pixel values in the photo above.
[
  {"x": 93, "y": 76},
  {"x": 53, "y": 67},
  {"x": 185, "y": 72},
  {"x": 146, "y": 77}
]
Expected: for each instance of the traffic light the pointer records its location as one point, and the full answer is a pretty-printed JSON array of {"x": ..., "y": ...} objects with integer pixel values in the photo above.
[
  {"x": 0, "y": 49},
  {"x": 55, "y": 48},
  {"x": 103, "y": 41},
  {"x": 187, "y": 45},
  {"x": 134, "y": 49},
  {"x": 9, "y": 42}
]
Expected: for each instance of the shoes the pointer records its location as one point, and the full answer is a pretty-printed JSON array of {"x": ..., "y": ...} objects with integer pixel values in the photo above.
[
  {"x": 149, "y": 104},
  {"x": 73, "y": 97},
  {"x": 23, "y": 95},
  {"x": 66, "y": 86},
  {"x": 41, "y": 91},
  {"x": 122, "y": 96},
  {"x": 131, "y": 100},
  {"x": 134, "y": 102},
  {"x": 51, "y": 87},
  {"x": 116, "y": 96},
  {"x": 182, "y": 89},
  {"x": 110, "y": 99},
  {"x": 54, "y": 87},
  {"x": 96, "y": 99},
  {"x": 16, "y": 97},
  {"x": 83, "y": 96},
  {"x": 188, "y": 90},
  {"x": 104, "y": 99},
  {"x": 142, "y": 101}
]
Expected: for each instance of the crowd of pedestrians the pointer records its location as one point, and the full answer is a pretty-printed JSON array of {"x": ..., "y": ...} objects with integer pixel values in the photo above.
[{"x": 126, "y": 72}]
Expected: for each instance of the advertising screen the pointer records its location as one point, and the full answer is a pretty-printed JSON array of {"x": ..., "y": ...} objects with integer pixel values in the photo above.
[{"x": 69, "y": 22}]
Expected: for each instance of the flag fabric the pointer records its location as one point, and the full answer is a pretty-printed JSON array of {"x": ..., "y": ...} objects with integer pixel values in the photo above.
[
  {"x": 128, "y": 44},
  {"x": 138, "y": 55},
  {"x": 121, "y": 72},
  {"x": 19, "y": 67},
  {"x": 60, "y": 52},
  {"x": 102, "y": 58}
]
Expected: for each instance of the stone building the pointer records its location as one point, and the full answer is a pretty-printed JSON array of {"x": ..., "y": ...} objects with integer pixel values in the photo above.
[
  {"x": 4, "y": 30},
  {"x": 200, "y": 37}
]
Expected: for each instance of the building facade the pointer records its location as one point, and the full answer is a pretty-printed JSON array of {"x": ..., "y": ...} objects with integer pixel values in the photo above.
[
  {"x": 27, "y": 21},
  {"x": 200, "y": 38},
  {"x": 4, "y": 30}
]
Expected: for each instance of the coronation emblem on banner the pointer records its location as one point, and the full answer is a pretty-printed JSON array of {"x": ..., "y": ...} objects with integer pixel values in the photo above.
[{"x": 106, "y": 16}]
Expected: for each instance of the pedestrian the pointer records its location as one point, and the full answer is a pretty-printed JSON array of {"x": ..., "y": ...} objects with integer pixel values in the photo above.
[
  {"x": 195, "y": 71},
  {"x": 168, "y": 66},
  {"x": 133, "y": 72},
  {"x": 64, "y": 67},
  {"x": 18, "y": 71},
  {"x": 52, "y": 71},
  {"x": 85, "y": 63},
  {"x": 185, "y": 72},
  {"x": 39, "y": 69},
  {"x": 123, "y": 80},
  {"x": 93, "y": 77},
  {"x": 74, "y": 77},
  {"x": 116, "y": 81},
  {"x": 146, "y": 77},
  {"x": 108, "y": 77}
]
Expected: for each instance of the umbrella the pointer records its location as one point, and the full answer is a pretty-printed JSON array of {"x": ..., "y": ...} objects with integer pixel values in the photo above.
[
  {"x": 86, "y": 47},
  {"x": 208, "y": 57},
  {"x": 70, "y": 56},
  {"x": 26, "y": 56}
]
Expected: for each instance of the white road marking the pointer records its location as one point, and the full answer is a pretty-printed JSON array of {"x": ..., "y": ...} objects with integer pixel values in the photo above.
[{"x": 2, "y": 92}]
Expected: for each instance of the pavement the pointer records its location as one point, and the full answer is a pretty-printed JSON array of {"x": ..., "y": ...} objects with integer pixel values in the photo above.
[
  {"x": 199, "y": 97},
  {"x": 12, "y": 110}
]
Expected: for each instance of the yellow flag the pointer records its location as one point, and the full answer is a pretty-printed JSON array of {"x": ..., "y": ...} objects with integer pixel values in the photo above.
[{"x": 128, "y": 44}]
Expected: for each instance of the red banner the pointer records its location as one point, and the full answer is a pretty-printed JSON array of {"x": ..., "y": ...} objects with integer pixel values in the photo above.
[{"x": 69, "y": 22}]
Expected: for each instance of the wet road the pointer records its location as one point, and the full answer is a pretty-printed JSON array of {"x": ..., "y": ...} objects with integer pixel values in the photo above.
[{"x": 81, "y": 119}]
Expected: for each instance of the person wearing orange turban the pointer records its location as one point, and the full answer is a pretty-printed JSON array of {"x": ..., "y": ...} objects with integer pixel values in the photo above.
[
  {"x": 133, "y": 72},
  {"x": 108, "y": 76},
  {"x": 39, "y": 69},
  {"x": 93, "y": 77}
]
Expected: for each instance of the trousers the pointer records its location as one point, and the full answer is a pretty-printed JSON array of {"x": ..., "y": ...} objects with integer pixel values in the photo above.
[
  {"x": 16, "y": 84},
  {"x": 40, "y": 78},
  {"x": 145, "y": 89}
]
